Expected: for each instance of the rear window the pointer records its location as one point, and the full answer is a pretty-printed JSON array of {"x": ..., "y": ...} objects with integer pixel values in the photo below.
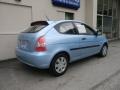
[
  {"x": 36, "y": 26},
  {"x": 33, "y": 29}
]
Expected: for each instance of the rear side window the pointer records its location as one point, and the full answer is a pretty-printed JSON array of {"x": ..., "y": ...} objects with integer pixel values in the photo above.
[
  {"x": 66, "y": 28},
  {"x": 36, "y": 26}
]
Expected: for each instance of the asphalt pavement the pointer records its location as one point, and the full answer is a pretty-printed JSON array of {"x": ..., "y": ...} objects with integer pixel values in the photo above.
[{"x": 93, "y": 73}]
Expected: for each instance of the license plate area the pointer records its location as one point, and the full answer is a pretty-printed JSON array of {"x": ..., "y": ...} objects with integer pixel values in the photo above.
[{"x": 23, "y": 44}]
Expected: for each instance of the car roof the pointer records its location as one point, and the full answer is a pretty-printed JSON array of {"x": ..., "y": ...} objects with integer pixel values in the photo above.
[
  {"x": 53, "y": 22},
  {"x": 63, "y": 21}
]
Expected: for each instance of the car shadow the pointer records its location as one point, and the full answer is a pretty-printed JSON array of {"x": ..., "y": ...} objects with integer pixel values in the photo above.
[
  {"x": 45, "y": 72},
  {"x": 84, "y": 61},
  {"x": 34, "y": 71}
]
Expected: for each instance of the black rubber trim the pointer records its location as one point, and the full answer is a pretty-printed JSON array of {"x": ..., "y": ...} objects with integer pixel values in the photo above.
[{"x": 84, "y": 47}]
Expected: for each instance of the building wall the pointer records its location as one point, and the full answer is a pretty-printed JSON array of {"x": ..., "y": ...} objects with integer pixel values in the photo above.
[
  {"x": 91, "y": 12},
  {"x": 16, "y": 16}
]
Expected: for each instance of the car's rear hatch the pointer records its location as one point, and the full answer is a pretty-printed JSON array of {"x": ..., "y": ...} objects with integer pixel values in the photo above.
[{"x": 27, "y": 39}]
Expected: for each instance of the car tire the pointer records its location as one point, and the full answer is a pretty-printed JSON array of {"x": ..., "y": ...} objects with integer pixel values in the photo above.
[
  {"x": 59, "y": 65},
  {"x": 103, "y": 51}
]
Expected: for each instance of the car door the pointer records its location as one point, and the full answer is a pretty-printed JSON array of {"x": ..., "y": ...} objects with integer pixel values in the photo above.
[
  {"x": 89, "y": 43},
  {"x": 69, "y": 36}
]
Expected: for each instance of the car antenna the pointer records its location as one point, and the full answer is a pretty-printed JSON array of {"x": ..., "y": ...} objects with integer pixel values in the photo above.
[{"x": 47, "y": 18}]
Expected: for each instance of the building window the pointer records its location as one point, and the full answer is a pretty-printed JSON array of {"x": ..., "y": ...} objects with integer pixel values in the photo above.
[
  {"x": 105, "y": 17},
  {"x": 69, "y": 16},
  {"x": 100, "y": 7}
]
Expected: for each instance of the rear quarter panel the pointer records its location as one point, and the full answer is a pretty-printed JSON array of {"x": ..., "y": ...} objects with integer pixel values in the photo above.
[{"x": 57, "y": 42}]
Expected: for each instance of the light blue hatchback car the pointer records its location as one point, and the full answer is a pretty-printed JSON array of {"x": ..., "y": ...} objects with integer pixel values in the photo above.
[{"x": 54, "y": 44}]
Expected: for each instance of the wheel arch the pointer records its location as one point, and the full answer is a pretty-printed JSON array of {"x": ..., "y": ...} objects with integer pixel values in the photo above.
[
  {"x": 105, "y": 43},
  {"x": 61, "y": 52}
]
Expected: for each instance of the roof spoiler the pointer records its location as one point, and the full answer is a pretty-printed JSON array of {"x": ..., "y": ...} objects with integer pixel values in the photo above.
[{"x": 39, "y": 23}]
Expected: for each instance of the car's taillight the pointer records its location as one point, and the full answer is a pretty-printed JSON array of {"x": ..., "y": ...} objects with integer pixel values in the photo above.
[{"x": 41, "y": 45}]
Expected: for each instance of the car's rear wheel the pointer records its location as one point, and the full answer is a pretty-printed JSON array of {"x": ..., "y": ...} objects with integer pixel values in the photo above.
[
  {"x": 59, "y": 64},
  {"x": 104, "y": 51}
]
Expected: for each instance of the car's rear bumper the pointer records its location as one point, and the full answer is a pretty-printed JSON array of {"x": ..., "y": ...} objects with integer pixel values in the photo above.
[{"x": 34, "y": 59}]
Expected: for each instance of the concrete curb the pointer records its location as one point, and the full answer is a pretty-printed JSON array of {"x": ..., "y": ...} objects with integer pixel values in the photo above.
[{"x": 8, "y": 60}]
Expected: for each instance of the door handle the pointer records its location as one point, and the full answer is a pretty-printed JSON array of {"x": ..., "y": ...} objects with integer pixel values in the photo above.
[{"x": 83, "y": 38}]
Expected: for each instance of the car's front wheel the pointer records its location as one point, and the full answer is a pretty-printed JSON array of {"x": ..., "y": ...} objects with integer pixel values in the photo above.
[
  {"x": 59, "y": 64},
  {"x": 104, "y": 51}
]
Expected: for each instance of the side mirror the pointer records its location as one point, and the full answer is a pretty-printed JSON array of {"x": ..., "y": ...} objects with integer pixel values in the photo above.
[{"x": 99, "y": 32}]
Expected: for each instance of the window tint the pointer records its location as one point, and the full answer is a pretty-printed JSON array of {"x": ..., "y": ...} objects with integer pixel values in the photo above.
[
  {"x": 83, "y": 29},
  {"x": 66, "y": 28}
]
